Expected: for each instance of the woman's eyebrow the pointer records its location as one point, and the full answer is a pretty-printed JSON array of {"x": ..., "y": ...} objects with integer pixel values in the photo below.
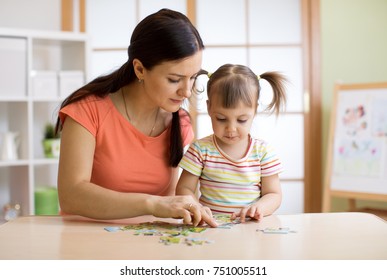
[
  {"x": 182, "y": 76},
  {"x": 177, "y": 75}
]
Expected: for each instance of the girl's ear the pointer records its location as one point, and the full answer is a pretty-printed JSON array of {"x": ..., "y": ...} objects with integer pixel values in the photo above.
[{"x": 138, "y": 69}]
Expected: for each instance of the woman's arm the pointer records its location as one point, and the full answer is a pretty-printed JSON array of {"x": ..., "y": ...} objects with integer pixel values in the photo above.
[{"x": 77, "y": 195}]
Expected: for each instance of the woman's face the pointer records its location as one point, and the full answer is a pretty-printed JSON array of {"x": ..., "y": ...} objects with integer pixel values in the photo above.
[{"x": 171, "y": 82}]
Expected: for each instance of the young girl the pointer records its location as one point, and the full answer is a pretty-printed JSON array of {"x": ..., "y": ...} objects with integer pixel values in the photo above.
[{"x": 238, "y": 174}]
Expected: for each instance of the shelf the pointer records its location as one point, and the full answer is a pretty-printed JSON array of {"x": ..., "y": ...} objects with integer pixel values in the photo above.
[
  {"x": 45, "y": 161},
  {"x": 44, "y": 35},
  {"x": 26, "y": 162},
  {"x": 10, "y": 163},
  {"x": 38, "y": 70},
  {"x": 9, "y": 98}
]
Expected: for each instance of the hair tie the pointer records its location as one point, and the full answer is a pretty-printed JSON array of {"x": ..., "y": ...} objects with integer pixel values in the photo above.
[
  {"x": 258, "y": 77},
  {"x": 209, "y": 74}
]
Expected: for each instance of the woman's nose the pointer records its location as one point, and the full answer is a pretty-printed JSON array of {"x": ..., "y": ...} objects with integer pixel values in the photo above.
[{"x": 186, "y": 90}]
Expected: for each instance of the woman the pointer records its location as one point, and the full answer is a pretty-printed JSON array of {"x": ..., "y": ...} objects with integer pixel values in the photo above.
[{"x": 123, "y": 134}]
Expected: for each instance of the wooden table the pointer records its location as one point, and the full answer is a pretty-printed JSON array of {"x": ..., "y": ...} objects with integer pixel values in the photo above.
[{"x": 328, "y": 236}]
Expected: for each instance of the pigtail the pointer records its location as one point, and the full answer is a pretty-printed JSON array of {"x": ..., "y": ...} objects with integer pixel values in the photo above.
[
  {"x": 176, "y": 142},
  {"x": 277, "y": 81}
]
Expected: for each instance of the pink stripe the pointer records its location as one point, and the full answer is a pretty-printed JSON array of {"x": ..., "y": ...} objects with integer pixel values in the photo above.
[{"x": 231, "y": 188}]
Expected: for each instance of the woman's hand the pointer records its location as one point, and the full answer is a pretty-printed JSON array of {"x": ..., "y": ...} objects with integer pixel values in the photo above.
[
  {"x": 181, "y": 207},
  {"x": 204, "y": 213}
]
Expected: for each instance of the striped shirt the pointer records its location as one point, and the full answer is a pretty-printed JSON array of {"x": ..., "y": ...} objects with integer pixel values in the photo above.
[{"x": 226, "y": 185}]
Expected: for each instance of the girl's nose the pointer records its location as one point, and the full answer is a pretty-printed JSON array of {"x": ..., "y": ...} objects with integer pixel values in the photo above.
[{"x": 230, "y": 127}]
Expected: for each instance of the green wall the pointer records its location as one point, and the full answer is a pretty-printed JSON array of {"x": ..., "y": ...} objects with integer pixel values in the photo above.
[{"x": 354, "y": 50}]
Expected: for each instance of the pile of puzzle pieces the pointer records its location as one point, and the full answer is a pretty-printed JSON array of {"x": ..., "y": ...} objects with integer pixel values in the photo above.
[{"x": 175, "y": 233}]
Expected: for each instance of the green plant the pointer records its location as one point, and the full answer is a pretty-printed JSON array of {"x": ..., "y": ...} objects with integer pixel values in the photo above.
[{"x": 49, "y": 132}]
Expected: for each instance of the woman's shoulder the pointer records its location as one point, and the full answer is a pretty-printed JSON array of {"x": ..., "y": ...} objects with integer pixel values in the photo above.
[
  {"x": 184, "y": 116},
  {"x": 95, "y": 103},
  {"x": 186, "y": 126},
  {"x": 91, "y": 108},
  {"x": 98, "y": 100}
]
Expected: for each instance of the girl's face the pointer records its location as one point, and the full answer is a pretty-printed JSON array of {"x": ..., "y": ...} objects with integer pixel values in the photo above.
[
  {"x": 231, "y": 126},
  {"x": 171, "y": 82}
]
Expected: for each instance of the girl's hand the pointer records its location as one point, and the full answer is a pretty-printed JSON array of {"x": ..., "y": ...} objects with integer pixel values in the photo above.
[
  {"x": 183, "y": 206},
  {"x": 252, "y": 211},
  {"x": 269, "y": 201}
]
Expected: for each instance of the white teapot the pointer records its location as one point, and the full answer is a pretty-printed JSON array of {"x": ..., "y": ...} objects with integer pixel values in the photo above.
[{"x": 10, "y": 145}]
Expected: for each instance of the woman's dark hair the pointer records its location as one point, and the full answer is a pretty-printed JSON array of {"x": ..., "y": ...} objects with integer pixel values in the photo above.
[{"x": 163, "y": 36}]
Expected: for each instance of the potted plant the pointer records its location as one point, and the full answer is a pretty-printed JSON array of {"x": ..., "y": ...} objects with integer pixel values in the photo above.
[{"x": 51, "y": 141}]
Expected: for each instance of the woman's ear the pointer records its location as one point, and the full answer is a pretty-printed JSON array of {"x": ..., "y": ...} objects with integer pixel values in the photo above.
[{"x": 138, "y": 69}]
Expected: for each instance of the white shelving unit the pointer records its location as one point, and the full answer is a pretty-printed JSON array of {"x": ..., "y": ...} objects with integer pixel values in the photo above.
[{"x": 26, "y": 109}]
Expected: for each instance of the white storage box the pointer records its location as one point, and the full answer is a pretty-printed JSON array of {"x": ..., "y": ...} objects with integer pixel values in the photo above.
[
  {"x": 44, "y": 84},
  {"x": 13, "y": 67},
  {"x": 69, "y": 81}
]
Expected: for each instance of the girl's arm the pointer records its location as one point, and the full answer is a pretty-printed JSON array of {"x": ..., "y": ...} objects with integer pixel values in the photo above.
[
  {"x": 187, "y": 184},
  {"x": 271, "y": 195}
]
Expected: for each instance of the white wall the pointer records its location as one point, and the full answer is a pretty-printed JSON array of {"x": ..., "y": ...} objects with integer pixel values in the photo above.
[
  {"x": 31, "y": 14},
  {"x": 110, "y": 24}
]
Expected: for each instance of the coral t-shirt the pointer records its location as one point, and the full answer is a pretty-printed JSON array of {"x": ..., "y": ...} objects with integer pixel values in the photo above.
[{"x": 125, "y": 159}]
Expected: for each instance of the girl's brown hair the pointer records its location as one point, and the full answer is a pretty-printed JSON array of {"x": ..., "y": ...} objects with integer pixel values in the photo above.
[{"x": 236, "y": 83}]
